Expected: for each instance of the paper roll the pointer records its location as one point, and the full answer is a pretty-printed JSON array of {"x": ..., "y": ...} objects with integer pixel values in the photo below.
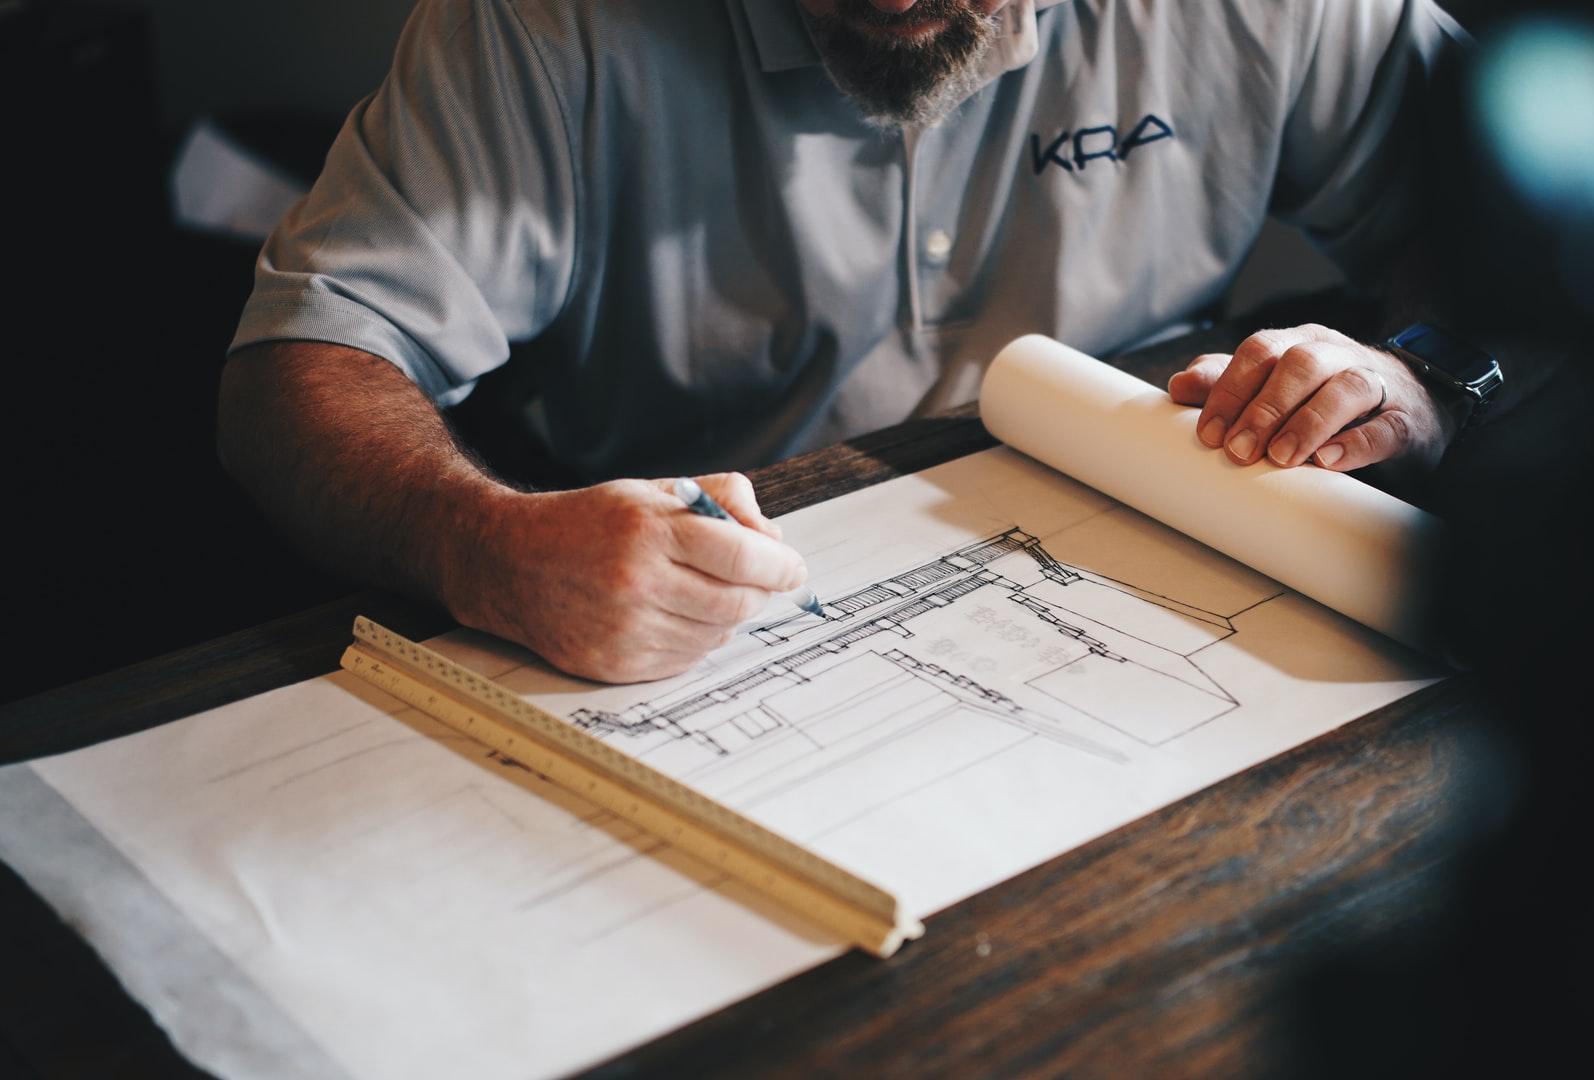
[{"x": 1356, "y": 549}]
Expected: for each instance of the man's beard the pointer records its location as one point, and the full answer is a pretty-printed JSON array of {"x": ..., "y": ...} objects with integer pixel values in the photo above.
[{"x": 904, "y": 82}]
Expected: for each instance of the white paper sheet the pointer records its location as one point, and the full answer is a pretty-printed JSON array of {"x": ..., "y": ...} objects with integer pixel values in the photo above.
[{"x": 1013, "y": 665}]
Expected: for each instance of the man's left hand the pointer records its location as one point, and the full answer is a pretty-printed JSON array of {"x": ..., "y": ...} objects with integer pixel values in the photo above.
[{"x": 1311, "y": 393}]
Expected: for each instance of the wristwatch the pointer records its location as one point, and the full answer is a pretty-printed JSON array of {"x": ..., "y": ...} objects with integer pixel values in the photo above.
[{"x": 1441, "y": 359}]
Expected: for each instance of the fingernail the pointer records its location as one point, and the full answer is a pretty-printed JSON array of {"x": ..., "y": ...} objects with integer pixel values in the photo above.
[
  {"x": 1243, "y": 444},
  {"x": 1212, "y": 434},
  {"x": 1282, "y": 449},
  {"x": 773, "y": 529},
  {"x": 1330, "y": 454}
]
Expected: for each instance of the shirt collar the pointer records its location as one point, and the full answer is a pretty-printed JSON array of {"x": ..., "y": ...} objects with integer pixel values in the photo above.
[{"x": 783, "y": 42}]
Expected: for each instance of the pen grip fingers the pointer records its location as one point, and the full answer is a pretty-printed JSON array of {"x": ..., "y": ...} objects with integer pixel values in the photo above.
[
  {"x": 695, "y": 596},
  {"x": 735, "y": 555},
  {"x": 734, "y": 492}
]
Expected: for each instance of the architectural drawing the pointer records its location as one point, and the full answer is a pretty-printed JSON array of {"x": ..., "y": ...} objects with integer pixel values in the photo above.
[{"x": 1074, "y": 654}]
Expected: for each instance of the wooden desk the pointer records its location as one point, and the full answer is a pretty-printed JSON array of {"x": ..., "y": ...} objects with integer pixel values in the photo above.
[{"x": 1161, "y": 948}]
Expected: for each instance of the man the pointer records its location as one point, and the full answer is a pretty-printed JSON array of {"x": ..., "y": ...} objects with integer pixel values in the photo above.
[{"x": 656, "y": 239}]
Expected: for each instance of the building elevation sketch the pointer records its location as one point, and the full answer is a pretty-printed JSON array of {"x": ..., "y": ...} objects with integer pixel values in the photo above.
[
  {"x": 914, "y": 676},
  {"x": 938, "y": 644}
]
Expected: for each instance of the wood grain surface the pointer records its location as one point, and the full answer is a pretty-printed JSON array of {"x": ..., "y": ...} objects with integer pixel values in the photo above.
[
  {"x": 1164, "y": 948},
  {"x": 1160, "y": 949}
]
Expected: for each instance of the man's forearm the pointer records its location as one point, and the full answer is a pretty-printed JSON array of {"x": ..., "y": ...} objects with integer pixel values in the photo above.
[{"x": 351, "y": 460}]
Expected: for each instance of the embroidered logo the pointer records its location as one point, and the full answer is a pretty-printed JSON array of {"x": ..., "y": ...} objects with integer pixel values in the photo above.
[{"x": 1074, "y": 150}]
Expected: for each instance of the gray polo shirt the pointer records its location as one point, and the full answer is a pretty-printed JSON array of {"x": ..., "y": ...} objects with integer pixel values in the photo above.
[{"x": 657, "y": 238}]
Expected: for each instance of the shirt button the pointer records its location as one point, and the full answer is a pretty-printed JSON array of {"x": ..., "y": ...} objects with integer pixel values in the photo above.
[{"x": 937, "y": 246}]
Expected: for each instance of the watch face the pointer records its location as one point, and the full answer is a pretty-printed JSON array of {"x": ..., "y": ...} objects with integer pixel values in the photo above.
[{"x": 1465, "y": 364}]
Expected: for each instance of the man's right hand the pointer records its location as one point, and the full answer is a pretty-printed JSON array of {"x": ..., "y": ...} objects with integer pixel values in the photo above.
[{"x": 619, "y": 582}]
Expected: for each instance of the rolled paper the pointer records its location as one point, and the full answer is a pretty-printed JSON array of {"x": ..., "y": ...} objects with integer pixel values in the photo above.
[{"x": 1345, "y": 544}]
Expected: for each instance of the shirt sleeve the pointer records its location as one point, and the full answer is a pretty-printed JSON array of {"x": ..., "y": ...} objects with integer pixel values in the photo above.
[
  {"x": 442, "y": 226},
  {"x": 1350, "y": 170}
]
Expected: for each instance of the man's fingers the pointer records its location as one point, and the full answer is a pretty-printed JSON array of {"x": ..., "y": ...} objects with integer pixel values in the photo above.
[
  {"x": 1384, "y": 436},
  {"x": 1346, "y": 397},
  {"x": 736, "y": 555},
  {"x": 632, "y": 641},
  {"x": 691, "y": 637},
  {"x": 734, "y": 492},
  {"x": 1240, "y": 382},
  {"x": 692, "y": 594},
  {"x": 1297, "y": 374},
  {"x": 646, "y": 641},
  {"x": 1244, "y": 378},
  {"x": 1191, "y": 386}
]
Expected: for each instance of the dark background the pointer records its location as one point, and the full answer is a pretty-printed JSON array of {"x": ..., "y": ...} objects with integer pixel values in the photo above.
[
  {"x": 128, "y": 541},
  {"x": 126, "y": 538}
]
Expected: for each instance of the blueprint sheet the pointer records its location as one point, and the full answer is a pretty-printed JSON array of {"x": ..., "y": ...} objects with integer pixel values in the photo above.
[{"x": 319, "y": 881}]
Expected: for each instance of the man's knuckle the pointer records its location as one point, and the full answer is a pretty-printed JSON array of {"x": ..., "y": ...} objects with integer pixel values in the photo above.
[
  {"x": 626, "y": 581},
  {"x": 1359, "y": 381},
  {"x": 1265, "y": 412},
  {"x": 1302, "y": 356},
  {"x": 630, "y": 521},
  {"x": 1399, "y": 428},
  {"x": 1252, "y": 351},
  {"x": 624, "y": 492},
  {"x": 1356, "y": 444},
  {"x": 1270, "y": 342},
  {"x": 1224, "y": 399},
  {"x": 1313, "y": 416}
]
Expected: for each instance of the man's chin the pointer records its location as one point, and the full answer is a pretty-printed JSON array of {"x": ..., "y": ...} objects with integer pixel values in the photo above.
[
  {"x": 904, "y": 74},
  {"x": 923, "y": 109}
]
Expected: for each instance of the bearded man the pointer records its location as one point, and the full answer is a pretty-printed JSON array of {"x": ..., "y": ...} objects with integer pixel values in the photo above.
[{"x": 672, "y": 238}]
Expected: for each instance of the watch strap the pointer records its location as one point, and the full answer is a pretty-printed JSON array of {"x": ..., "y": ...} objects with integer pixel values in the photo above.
[{"x": 1476, "y": 392}]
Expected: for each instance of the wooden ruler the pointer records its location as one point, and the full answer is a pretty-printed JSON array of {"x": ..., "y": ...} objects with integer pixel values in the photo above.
[{"x": 797, "y": 878}]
